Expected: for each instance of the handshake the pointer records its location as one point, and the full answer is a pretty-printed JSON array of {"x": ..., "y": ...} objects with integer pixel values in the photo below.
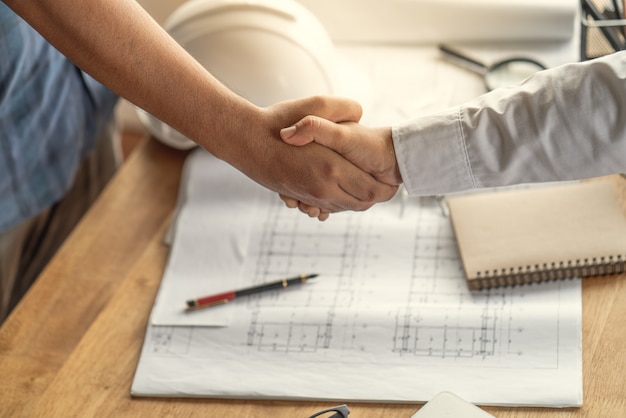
[{"x": 353, "y": 166}]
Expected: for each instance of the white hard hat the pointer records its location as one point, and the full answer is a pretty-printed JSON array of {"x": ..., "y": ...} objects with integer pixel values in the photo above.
[{"x": 264, "y": 50}]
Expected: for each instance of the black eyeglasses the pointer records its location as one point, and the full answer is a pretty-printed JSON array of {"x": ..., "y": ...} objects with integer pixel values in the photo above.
[{"x": 340, "y": 411}]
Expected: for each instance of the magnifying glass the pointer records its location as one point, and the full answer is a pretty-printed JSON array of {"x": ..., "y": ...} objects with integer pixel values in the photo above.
[{"x": 503, "y": 73}]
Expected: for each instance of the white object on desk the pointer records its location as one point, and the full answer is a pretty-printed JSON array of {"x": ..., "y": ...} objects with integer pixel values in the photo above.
[
  {"x": 266, "y": 51},
  {"x": 448, "y": 405}
]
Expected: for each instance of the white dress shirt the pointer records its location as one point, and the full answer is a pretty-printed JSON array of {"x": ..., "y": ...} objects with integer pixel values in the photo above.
[{"x": 565, "y": 123}]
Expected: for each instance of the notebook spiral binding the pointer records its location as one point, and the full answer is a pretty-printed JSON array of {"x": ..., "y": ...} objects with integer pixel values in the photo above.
[{"x": 548, "y": 272}]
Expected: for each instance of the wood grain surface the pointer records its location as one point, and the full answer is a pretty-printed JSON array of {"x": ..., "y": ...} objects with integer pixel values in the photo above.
[{"x": 71, "y": 347}]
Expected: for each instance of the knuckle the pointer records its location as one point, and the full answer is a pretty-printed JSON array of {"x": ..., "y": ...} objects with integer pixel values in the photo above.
[
  {"x": 363, "y": 206},
  {"x": 310, "y": 122},
  {"x": 358, "y": 109},
  {"x": 318, "y": 193},
  {"x": 319, "y": 102},
  {"x": 370, "y": 197}
]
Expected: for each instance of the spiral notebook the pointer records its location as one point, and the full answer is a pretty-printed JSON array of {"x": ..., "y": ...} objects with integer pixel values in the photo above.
[{"x": 525, "y": 236}]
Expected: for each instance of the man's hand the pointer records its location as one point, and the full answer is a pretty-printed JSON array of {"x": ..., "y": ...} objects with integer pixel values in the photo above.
[
  {"x": 312, "y": 174},
  {"x": 371, "y": 149}
]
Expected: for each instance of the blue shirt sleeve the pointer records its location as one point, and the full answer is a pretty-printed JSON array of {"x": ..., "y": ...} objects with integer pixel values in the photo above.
[{"x": 50, "y": 113}]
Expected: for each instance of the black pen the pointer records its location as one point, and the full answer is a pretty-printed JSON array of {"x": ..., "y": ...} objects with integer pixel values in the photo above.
[{"x": 222, "y": 298}]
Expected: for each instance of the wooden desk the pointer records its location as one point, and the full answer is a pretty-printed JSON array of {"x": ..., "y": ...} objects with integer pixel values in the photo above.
[{"x": 71, "y": 347}]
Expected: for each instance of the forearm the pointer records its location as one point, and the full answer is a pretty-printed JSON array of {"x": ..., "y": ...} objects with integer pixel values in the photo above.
[
  {"x": 121, "y": 46},
  {"x": 563, "y": 124}
]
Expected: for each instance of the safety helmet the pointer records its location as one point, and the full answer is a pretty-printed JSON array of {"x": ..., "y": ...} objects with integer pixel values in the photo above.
[{"x": 264, "y": 50}]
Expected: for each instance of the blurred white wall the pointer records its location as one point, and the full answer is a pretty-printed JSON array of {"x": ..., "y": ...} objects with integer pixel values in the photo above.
[{"x": 419, "y": 21}]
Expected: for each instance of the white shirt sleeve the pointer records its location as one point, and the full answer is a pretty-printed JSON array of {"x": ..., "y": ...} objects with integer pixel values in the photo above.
[{"x": 564, "y": 123}]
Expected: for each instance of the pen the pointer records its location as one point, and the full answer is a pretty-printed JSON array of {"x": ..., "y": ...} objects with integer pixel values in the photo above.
[
  {"x": 222, "y": 298},
  {"x": 609, "y": 34}
]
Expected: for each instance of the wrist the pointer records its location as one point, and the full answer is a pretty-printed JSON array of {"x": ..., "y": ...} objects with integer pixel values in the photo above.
[
  {"x": 389, "y": 156},
  {"x": 227, "y": 133}
]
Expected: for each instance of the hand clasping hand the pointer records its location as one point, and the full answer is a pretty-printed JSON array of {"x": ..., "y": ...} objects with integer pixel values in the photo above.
[{"x": 370, "y": 149}]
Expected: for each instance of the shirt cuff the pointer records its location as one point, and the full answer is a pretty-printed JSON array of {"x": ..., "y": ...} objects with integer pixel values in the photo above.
[{"x": 432, "y": 155}]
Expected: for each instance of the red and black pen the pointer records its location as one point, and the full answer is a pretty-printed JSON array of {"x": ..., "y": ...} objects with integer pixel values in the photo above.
[{"x": 222, "y": 298}]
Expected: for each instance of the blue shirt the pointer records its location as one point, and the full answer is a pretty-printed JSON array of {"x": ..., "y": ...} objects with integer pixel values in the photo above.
[{"x": 50, "y": 115}]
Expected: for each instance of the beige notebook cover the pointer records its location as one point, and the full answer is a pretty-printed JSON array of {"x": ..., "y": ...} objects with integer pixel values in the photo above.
[{"x": 531, "y": 235}]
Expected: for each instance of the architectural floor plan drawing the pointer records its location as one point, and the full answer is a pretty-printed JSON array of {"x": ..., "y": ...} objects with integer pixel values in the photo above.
[
  {"x": 399, "y": 264},
  {"x": 389, "y": 317}
]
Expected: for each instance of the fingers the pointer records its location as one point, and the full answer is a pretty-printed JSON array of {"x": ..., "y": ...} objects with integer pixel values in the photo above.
[
  {"x": 320, "y": 177},
  {"x": 316, "y": 129},
  {"x": 313, "y": 212},
  {"x": 336, "y": 109},
  {"x": 323, "y": 216},
  {"x": 348, "y": 178},
  {"x": 290, "y": 202},
  {"x": 369, "y": 148}
]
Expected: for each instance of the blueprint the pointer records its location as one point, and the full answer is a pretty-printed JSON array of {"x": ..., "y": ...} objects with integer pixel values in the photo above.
[{"x": 389, "y": 318}]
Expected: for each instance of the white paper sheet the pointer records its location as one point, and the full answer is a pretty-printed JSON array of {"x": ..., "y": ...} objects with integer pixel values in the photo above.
[
  {"x": 388, "y": 319},
  {"x": 208, "y": 257}
]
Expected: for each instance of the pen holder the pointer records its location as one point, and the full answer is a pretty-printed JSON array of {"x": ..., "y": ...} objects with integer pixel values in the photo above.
[{"x": 603, "y": 28}]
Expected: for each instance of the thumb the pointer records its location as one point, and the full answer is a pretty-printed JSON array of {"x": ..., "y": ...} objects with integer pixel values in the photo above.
[
  {"x": 292, "y": 136},
  {"x": 315, "y": 129}
]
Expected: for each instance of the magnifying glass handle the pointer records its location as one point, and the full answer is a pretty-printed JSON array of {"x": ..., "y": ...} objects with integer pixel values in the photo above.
[{"x": 464, "y": 60}]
